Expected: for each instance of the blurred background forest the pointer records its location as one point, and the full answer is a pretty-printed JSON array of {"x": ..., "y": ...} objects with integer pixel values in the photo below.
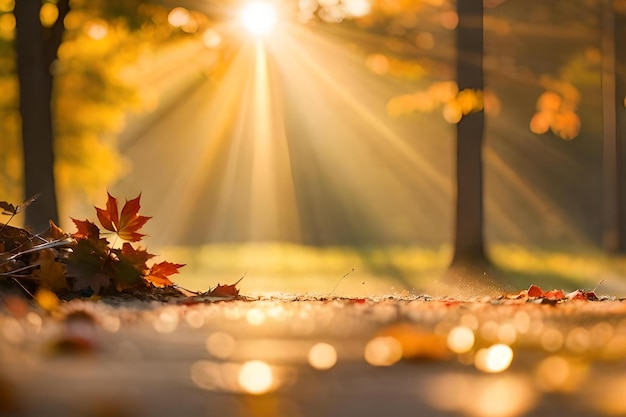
[{"x": 329, "y": 143}]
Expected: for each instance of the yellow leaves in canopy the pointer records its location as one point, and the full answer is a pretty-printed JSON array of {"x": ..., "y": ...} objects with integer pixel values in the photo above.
[
  {"x": 383, "y": 65},
  {"x": 48, "y": 14},
  {"x": 455, "y": 104},
  {"x": 7, "y": 26},
  {"x": 75, "y": 170},
  {"x": 549, "y": 101},
  {"x": 556, "y": 112}
]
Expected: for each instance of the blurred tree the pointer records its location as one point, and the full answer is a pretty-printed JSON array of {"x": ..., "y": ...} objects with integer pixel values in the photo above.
[
  {"x": 613, "y": 115},
  {"x": 80, "y": 65},
  {"x": 469, "y": 241},
  {"x": 620, "y": 100},
  {"x": 37, "y": 48}
]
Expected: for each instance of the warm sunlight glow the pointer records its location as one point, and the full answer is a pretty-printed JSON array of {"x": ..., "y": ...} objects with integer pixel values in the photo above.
[
  {"x": 461, "y": 339},
  {"x": 255, "y": 377},
  {"x": 179, "y": 16},
  {"x": 383, "y": 351},
  {"x": 497, "y": 358},
  {"x": 221, "y": 345},
  {"x": 322, "y": 356},
  {"x": 97, "y": 30},
  {"x": 259, "y": 18}
]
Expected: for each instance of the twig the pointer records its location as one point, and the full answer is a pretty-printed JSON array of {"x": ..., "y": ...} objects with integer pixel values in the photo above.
[
  {"x": 597, "y": 285},
  {"x": 18, "y": 270},
  {"x": 48, "y": 245},
  {"x": 23, "y": 287},
  {"x": 341, "y": 279}
]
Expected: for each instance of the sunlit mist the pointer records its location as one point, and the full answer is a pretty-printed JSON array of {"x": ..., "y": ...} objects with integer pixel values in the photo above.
[{"x": 329, "y": 133}]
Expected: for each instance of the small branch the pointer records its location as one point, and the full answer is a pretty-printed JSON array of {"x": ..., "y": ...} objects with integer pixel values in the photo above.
[
  {"x": 341, "y": 279},
  {"x": 23, "y": 287},
  {"x": 49, "y": 245},
  {"x": 13, "y": 273}
]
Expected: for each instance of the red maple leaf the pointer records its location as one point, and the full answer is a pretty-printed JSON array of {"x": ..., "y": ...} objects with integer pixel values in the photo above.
[
  {"x": 159, "y": 273},
  {"x": 536, "y": 292},
  {"x": 125, "y": 224},
  {"x": 86, "y": 230},
  {"x": 225, "y": 290}
]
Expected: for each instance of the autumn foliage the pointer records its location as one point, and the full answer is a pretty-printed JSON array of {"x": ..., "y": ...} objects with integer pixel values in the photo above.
[{"x": 84, "y": 262}]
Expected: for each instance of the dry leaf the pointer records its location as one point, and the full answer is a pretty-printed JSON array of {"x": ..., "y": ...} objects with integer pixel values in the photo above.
[
  {"x": 51, "y": 274},
  {"x": 225, "y": 290},
  {"x": 159, "y": 273},
  {"x": 125, "y": 224}
]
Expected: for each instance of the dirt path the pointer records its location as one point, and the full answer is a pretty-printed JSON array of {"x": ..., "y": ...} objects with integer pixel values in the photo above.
[{"x": 302, "y": 356}]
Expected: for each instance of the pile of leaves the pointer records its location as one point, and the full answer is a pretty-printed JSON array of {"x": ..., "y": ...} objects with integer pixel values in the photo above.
[{"x": 82, "y": 263}]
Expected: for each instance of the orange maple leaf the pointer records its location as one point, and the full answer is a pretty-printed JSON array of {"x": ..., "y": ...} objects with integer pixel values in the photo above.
[
  {"x": 159, "y": 273},
  {"x": 86, "y": 230},
  {"x": 225, "y": 290},
  {"x": 137, "y": 257},
  {"x": 125, "y": 224}
]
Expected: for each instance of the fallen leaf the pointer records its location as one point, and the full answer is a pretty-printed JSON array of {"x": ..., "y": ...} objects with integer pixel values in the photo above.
[
  {"x": 26, "y": 203},
  {"x": 159, "y": 273},
  {"x": 137, "y": 257},
  {"x": 225, "y": 290},
  {"x": 125, "y": 224},
  {"x": 535, "y": 291},
  {"x": 51, "y": 273},
  {"x": 86, "y": 230},
  {"x": 582, "y": 295},
  {"x": 8, "y": 209},
  {"x": 54, "y": 232},
  {"x": 95, "y": 282}
]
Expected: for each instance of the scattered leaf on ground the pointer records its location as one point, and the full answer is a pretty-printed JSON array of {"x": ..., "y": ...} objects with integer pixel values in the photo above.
[
  {"x": 225, "y": 290},
  {"x": 159, "y": 273}
]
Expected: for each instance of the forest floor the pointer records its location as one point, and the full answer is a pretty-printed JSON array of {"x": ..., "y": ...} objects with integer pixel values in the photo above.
[{"x": 303, "y": 355}]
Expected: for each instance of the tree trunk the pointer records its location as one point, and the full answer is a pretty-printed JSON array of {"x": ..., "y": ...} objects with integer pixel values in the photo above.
[
  {"x": 469, "y": 244},
  {"x": 620, "y": 125},
  {"x": 611, "y": 239},
  {"x": 36, "y": 49}
]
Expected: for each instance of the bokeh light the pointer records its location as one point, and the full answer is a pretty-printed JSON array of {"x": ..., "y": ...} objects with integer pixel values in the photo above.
[
  {"x": 496, "y": 358},
  {"x": 322, "y": 356},
  {"x": 255, "y": 316},
  {"x": 97, "y": 30},
  {"x": 221, "y": 345},
  {"x": 255, "y": 377},
  {"x": 383, "y": 351},
  {"x": 167, "y": 321},
  {"x": 461, "y": 339},
  {"x": 178, "y": 17},
  {"x": 551, "y": 339},
  {"x": 48, "y": 14},
  {"x": 559, "y": 374}
]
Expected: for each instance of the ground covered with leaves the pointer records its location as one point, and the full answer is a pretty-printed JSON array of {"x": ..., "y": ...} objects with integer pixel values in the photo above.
[
  {"x": 91, "y": 325},
  {"x": 298, "y": 355}
]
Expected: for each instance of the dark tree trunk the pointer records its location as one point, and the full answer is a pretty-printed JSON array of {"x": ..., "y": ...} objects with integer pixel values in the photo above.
[
  {"x": 469, "y": 244},
  {"x": 36, "y": 51},
  {"x": 620, "y": 125},
  {"x": 613, "y": 119}
]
